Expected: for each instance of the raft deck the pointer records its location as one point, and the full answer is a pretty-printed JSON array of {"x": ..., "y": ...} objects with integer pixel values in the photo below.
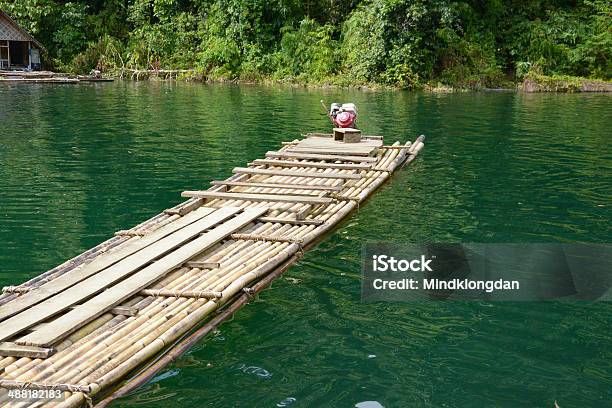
[{"x": 87, "y": 324}]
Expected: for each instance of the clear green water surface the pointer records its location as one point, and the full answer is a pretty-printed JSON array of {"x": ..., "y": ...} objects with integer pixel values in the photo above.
[{"x": 80, "y": 162}]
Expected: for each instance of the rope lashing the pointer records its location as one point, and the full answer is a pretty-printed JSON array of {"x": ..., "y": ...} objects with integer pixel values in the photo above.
[
  {"x": 340, "y": 197},
  {"x": 201, "y": 294},
  {"x": 15, "y": 289},
  {"x": 267, "y": 238},
  {"x": 250, "y": 292},
  {"x": 128, "y": 233}
]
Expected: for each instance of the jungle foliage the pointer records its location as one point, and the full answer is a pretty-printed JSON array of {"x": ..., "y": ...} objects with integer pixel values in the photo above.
[{"x": 407, "y": 43}]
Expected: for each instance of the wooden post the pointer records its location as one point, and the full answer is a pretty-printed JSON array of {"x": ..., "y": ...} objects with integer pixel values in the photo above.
[
  {"x": 29, "y": 55},
  {"x": 4, "y": 45}
]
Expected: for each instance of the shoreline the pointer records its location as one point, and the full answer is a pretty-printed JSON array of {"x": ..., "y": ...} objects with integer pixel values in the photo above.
[
  {"x": 536, "y": 83},
  {"x": 532, "y": 83}
]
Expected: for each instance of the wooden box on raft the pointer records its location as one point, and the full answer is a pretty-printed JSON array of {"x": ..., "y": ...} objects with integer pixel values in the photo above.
[{"x": 347, "y": 135}]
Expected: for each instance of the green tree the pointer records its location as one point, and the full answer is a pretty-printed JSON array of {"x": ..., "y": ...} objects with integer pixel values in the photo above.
[{"x": 407, "y": 43}]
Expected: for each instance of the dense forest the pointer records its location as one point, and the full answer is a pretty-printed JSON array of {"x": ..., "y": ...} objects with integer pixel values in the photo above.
[{"x": 406, "y": 43}]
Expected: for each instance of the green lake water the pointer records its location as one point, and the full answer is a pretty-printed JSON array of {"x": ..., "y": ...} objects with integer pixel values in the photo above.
[{"x": 80, "y": 162}]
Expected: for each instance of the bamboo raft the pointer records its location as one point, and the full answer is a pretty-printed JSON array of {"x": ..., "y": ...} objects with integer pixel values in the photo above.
[
  {"x": 47, "y": 77},
  {"x": 110, "y": 318}
]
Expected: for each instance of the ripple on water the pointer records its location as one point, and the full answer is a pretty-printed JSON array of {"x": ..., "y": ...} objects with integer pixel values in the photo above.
[
  {"x": 286, "y": 402},
  {"x": 497, "y": 168}
]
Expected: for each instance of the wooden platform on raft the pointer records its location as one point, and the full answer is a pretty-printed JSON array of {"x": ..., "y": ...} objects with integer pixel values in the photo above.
[
  {"x": 270, "y": 198},
  {"x": 313, "y": 156},
  {"x": 84, "y": 325},
  {"x": 281, "y": 186},
  {"x": 298, "y": 173},
  {"x": 296, "y": 163},
  {"x": 326, "y": 145}
]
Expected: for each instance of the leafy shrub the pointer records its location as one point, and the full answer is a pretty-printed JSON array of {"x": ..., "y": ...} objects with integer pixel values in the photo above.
[
  {"x": 577, "y": 42},
  {"x": 220, "y": 57},
  {"x": 309, "y": 52},
  {"x": 104, "y": 55},
  {"x": 467, "y": 62}
]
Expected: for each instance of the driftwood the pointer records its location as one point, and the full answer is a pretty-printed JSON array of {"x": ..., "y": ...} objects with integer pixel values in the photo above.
[{"x": 138, "y": 74}]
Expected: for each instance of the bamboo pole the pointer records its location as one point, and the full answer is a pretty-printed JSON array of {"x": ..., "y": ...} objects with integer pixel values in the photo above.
[
  {"x": 136, "y": 339},
  {"x": 188, "y": 342},
  {"x": 207, "y": 294}
]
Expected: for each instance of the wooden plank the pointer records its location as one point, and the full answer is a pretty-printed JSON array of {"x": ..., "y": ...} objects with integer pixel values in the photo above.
[
  {"x": 298, "y": 173},
  {"x": 314, "y": 134},
  {"x": 302, "y": 213},
  {"x": 374, "y": 137},
  {"x": 360, "y": 151},
  {"x": 339, "y": 148},
  {"x": 8, "y": 349},
  {"x": 105, "y": 260},
  {"x": 184, "y": 208},
  {"x": 114, "y": 273},
  {"x": 37, "y": 326},
  {"x": 297, "y": 155},
  {"x": 94, "y": 307},
  {"x": 309, "y": 193},
  {"x": 291, "y": 221},
  {"x": 330, "y": 151},
  {"x": 295, "y": 186},
  {"x": 258, "y": 197},
  {"x": 124, "y": 311},
  {"x": 289, "y": 163},
  {"x": 202, "y": 265},
  {"x": 119, "y": 310},
  {"x": 327, "y": 142},
  {"x": 331, "y": 146}
]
